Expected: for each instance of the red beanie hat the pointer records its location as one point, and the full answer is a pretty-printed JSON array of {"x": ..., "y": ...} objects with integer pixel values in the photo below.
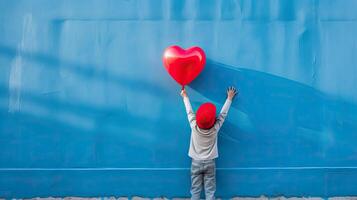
[{"x": 206, "y": 115}]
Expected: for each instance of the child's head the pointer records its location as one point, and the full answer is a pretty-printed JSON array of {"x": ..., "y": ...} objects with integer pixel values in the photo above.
[{"x": 206, "y": 116}]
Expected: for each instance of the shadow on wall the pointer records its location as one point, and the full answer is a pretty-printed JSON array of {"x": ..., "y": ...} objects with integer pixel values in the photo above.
[
  {"x": 71, "y": 122},
  {"x": 280, "y": 121},
  {"x": 83, "y": 70},
  {"x": 89, "y": 71}
]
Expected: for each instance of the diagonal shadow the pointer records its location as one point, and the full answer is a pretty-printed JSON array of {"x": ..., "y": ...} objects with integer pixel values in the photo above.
[
  {"x": 88, "y": 70},
  {"x": 72, "y": 129},
  {"x": 280, "y": 118}
]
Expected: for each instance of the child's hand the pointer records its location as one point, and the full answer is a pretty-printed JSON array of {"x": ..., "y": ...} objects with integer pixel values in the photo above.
[
  {"x": 231, "y": 92},
  {"x": 183, "y": 93}
]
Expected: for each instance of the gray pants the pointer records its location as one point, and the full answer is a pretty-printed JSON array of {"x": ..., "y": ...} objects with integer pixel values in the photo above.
[{"x": 203, "y": 173}]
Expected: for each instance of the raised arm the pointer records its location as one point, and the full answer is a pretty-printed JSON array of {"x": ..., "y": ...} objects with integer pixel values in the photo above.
[
  {"x": 231, "y": 92},
  {"x": 190, "y": 114}
]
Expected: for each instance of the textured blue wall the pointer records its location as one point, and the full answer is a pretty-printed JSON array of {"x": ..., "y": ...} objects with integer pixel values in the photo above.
[{"x": 87, "y": 109}]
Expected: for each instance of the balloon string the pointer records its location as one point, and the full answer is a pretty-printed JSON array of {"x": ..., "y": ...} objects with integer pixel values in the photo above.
[{"x": 183, "y": 87}]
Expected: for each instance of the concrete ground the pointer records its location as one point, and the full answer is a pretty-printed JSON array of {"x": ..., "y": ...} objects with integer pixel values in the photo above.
[{"x": 163, "y": 198}]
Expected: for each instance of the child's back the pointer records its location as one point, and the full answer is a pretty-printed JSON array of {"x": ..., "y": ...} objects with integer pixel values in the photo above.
[{"x": 203, "y": 144}]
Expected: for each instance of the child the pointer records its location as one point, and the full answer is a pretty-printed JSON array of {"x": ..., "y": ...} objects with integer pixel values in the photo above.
[{"x": 203, "y": 144}]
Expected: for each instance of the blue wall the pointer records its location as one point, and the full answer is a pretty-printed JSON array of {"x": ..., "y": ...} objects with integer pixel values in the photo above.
[{"x": 87, "y": 109}]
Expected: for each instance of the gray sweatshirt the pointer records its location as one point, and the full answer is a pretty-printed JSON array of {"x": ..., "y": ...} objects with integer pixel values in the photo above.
[{"x": 203, "y": 144}]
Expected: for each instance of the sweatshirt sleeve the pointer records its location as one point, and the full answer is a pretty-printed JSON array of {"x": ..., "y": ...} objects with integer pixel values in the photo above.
[
  {"x": 190, "y": 114},
  {"x": 222, "y": 115}
]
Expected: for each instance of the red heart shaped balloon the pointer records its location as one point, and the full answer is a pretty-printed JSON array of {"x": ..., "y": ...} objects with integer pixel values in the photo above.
[{"x": 184, "y": 65}]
